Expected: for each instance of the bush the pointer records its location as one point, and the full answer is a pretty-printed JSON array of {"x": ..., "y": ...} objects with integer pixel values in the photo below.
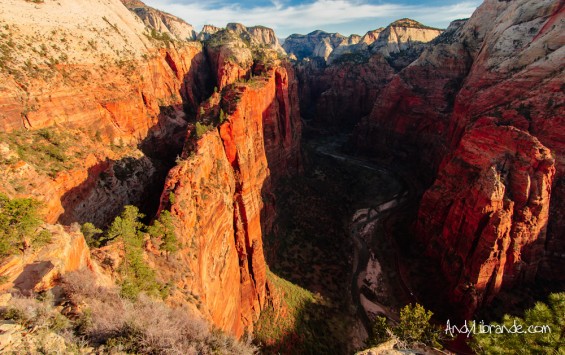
[
  {"x": 143, "y": 326},
  {"x": 201, "y": 129},
  {"x": 380, "y": 331},
  {"x": 414, "y": 327},
  {"x": 222, "y": 117},
  {"x": 91, "y": 233},
  {"x": 34, "y": 313},
  {"x": 48, "y": 150}
]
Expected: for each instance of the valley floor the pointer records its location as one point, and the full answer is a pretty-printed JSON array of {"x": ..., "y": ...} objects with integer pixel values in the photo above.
[{"x": 315, "y": 246}]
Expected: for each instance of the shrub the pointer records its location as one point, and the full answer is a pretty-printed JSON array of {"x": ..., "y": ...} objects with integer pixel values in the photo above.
[
  {"x": 48, "y": 150},
  {"x": 380, "y": 330},
  {"x": 143, "y": 326},
  {"x": 222, "y": 117},
  {"x": 201, "y": 129},
  {"x": 414, "y": 327},
  {"x": 33, "y": 313},
  {"x": 91, "y": 233}
]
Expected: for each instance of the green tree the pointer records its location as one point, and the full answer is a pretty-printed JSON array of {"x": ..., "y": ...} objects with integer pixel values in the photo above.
[
  {"x": 549, "y": 340},
  {"x": 19, "y": 220},
  {"x": 91, "y": 233},
  {"x": 164, "y": 229},
  {"x": 414, "y": 327},
  {"x": 127, "y": 226},
  {"x": 137, "y": 276}
]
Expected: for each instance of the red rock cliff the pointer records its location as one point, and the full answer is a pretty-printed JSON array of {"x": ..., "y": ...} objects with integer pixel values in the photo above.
[
  {"x": 482, "y": 113},
  {"x": 111, "y": 86},
  {"x": 222, "y": 199},
  {"x": 486, "y": 215}
]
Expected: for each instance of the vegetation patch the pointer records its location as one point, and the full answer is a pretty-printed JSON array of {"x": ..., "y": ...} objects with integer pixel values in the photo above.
[
  {"x": 99, "y": 320},
  {"x": 128, "y": 230},
  {"x": 304, "y": 323},
  {"x": 19, "y": 225},
  {"x": 48, "y": 150},
  {"x": 549, "y": 341},
  {"x": 414, "y": 328},
  {"x": 348, "y": 58}
]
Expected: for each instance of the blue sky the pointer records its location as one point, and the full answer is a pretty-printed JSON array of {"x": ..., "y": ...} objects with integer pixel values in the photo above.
[{"x": 304, "y": 16}]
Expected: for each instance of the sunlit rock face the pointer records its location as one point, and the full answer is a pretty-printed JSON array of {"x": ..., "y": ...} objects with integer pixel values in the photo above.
[
  {"x": 161, "y": 21},
  {"x": 399, "y": 36},
  {"x": 114, "y": 89},
  {"x": 223, "y": 198},
  {"x": 477, "y": 110}
]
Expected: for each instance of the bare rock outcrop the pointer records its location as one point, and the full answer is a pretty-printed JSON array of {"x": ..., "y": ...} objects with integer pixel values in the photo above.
[
  {"x": 401, "y": 35},
  {"x": 39, "y": 270},
  {"x": 161, "y": 21},
  {"x": 122, "y": 93}
]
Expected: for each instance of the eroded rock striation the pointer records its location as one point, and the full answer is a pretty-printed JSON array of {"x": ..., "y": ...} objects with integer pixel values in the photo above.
[
  {"x": 223, "y": 198},
  {"x": 476, "y": 107},
  {"x": 122, "y": 114},
  {"x": 114, "y": 89}
]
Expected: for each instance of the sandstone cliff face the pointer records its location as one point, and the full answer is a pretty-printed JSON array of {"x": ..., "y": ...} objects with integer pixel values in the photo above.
[
  {"x": 223, "y": 201},
  {"x": 161, "y": 21},
  {"x": 339, "y": 95},
  {"x": 230, "y": 62},
  {"x": 517, "y": 77},
  {"x": 115, "y": 87},
  {"x": 412, "y": 113},
  {"x": 486, "y": 215},
  {"x": 343, "y": 92},
  {"x": 106, "y": 125},
  {"x": 401, "y": 35},
  {"x": 316, "y": 44},
  {"x": 491, "y": 85},
  {"x": 257, "y": 36},
  {"x": 207, "y": 31}
]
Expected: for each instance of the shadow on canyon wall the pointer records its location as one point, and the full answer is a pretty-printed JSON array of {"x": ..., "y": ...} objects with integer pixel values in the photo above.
[{"x": 112, "y": 184}]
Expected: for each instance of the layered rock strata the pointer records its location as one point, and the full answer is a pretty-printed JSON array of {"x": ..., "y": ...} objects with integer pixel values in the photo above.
[
  {"x": 480, "y": 111},
  {"x": 116, "y": 88},
  {"x": 223, "y": 202}
]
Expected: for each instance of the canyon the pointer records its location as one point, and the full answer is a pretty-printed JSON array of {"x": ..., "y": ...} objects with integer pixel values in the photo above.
[{"x": 221, "y": 131}]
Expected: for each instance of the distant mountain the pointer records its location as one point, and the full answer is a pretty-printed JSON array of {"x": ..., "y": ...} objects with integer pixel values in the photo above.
[{"x": 400, "y": 35}]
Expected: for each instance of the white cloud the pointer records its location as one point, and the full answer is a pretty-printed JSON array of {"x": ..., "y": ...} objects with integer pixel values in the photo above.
[{"x": 321, "y": 14}]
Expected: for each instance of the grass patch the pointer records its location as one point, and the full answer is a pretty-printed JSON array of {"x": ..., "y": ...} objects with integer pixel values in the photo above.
[{"x": 304, "y": 324}]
